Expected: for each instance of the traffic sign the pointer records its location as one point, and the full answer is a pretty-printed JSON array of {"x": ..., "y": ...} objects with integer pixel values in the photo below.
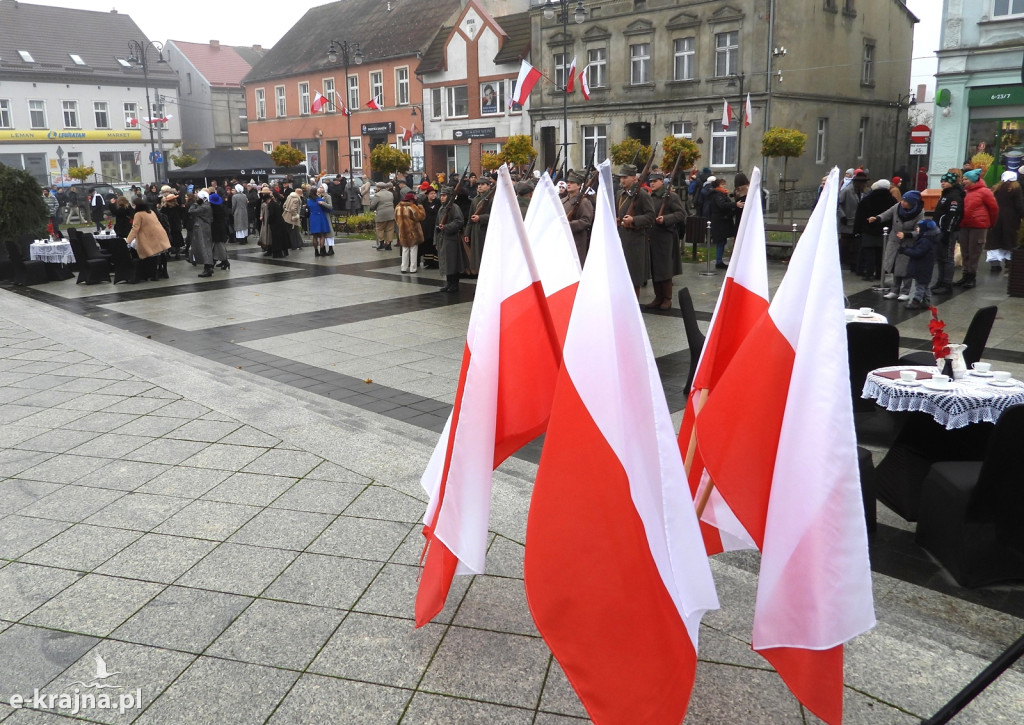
[
  {"x": 156, "y": 157},
  {"x": 920, "y": 134},
  {"x": 918, "y": 149}
]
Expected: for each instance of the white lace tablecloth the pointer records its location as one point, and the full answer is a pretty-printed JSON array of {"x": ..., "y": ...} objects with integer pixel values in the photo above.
[
  {"x": 969, "y": 400},
  {"x": 52, "y": 252}
]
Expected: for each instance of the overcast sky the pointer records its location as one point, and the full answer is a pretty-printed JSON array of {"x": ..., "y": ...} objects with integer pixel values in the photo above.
[{"x": 244, "y": 24}]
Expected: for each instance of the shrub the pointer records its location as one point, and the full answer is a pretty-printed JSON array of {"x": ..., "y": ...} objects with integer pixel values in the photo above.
[
  {"x": 385, "y": 159},
  {"x": 630, "y": 151},
  {"x": 22, "y": 209},
  {"x": 287, "y": 156}
]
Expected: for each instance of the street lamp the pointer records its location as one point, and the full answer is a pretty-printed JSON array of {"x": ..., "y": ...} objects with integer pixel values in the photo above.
[
  {"x": 138, "y": 55},
  {"x": 356, "y": 55},
  {"x": 741, "y": 77},
  {"x": 579, "y": 15},
  {"x": 902, "y": 104}
]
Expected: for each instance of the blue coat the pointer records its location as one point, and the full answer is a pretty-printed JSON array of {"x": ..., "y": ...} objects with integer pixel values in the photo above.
[
  {"x": 922, "y": 256},
  {"x": 319, "y": 221}
]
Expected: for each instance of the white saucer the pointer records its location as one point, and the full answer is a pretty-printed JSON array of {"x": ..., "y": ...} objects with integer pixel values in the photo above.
[
  {"x": 866, "y": 317},
  {"x": 1006, "y": 384},
  {"x": 934, "y": 385},
  {"x": 908, "y": 383},
  {"x": 980, "y": 375}
]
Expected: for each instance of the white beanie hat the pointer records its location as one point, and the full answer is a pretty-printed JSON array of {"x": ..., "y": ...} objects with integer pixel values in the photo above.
[
  {"x": 1008, "y": 176},
  {"x": 203, "y": 194},
  {"x": 881, "y": 184}
]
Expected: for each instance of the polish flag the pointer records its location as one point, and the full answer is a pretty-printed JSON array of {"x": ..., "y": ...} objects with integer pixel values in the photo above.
[
  {"x": 374, "y": 104},
  {"x": 584, "y": 85},
  {"x": 528, "y": 77},
  {"x": 726, "y": 114},
  {"x": 511, "y": 346},
  {"x": 319, "y": 101},
  {"x": 748, "y": 113},
  {"x": 784, "y": 457},
  {"x": 406, "y": 134},
  {"x": 741, "y": 302},
  {"x": 132, "y": 121},
  {"x": 341, "y": 105},
  {"x": 570, "y": 84},
  {"x": 616, "y": 577}
]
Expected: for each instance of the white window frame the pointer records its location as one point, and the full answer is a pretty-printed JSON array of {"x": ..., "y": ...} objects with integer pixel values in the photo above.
[
  {"x": 1011, "y": 8},
  {"x": 561, "y": 62},
  {"x": 723, "y": 145},
  {"x": 436, "y": 104},
  {"x": 353, "y": 92},
  {"x": 402, "y": 145},
  {"x": 330, "y": 106},
  {"x": 597, "y": 59},
  {"x": 280, "y": 102},
  {"x": 862, "y": 136},
  {"x": 682, "y": 129},
  {"x": 639, "y": 64},
  {"x": 491, "y": 148},
  {"x": 41, "y": 108},
  {"x": 377, "y": 87},
  {"x": 26, "y": 56},
  {"x": 821, "y": 141},
  {"x": 867, "y": 67},
  {"x": 451, "y": 102},
  {"x": 6, "y": 118},
  {"x": 261, "y": 103},
  {"x": 303, "y": 89},
  {"x": 499, "y": 88},
  {"x": 268, "y": 147},
  {"x": 594, "y": 134},
  {"x": 76, "y": 59},
  {"x": 402, "y": 97},
  {"x": 101, "y": 107},
  {"x": 684, "y": 59},
  {"x": 69, "y": 114},
  {"x": 131, "y": 112},
  {"x": 727, "y": 53},
  {"x": 514, "y": 109},
  {"x": 355, "y": 151}
]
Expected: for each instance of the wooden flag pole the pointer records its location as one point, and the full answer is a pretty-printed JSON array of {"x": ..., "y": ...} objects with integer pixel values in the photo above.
[{"x": 691, "y": 450}]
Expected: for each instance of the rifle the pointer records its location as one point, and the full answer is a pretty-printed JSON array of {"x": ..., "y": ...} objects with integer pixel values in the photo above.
[
  {"x": 551, "y": 169},
  {"x": 529, "y": 171},
  {"x": 443, "y": 214},
  {"x": 661, "y": 212},
  {"x": 641, "y": 181},
  {"x": 587, "y": 185}
]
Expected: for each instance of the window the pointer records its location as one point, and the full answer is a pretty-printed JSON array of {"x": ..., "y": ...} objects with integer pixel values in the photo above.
[
  {"x": 436, "y": 107},
  {"x": 282, "y": 106},
  {"x": 268, "y": 147},
  {"x": 5, "y": 113},
  {"x": 597, "y": 76},
  {"x": 684, "y": 57},
  {"x": 594, "y": 138},
  {"x": 457, "y": 101},
  {"x": 403, "y": 145},
  {"x": 848, "y": 8},
  {"x": 723, "y": 145},
  {"x": 639, "y": 63},
  {"x": 70, "y": 109},
  {"x": 99, "y": 112},
  {"x": 821, "y": 142},
  {"x": 131, "y": 115},
  {"x": 124, "y": 63},
  {"x": 867, "y": 71},
  {"x": 682, "y": 128},
  {"x": 513, "y": 107},
  {"x": 862, "y": 137},
  {"x": 76, "y": 59},
  {"x": 75, "y": 160},
  {"x": 188, "y": 78},
  {"x": 329, "y": 95},
  {"x": 118, "y": 165},
  {"x": 26, "y": 56},
  {"x": 37, "y": 114},
  {"x": 561, "y": 69},
  {"x": 353, "y": 92},
  {"x": 377, "y": 87},
  {"x": 402, "y": 86},
  {"x": 1008, "y": 7},
  {"x": 490, "y": 148},
  {"x": 830, "y": 5},
  {"x": 261, "y": 103},
  {"x": 727, "y": 50},
  {"x": 304, "y": 99},
  {"x": 492, "y": 98},
  {"x": 355, "y": 150}
]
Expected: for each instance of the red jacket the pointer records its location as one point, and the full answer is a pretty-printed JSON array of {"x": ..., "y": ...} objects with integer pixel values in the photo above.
[{"x": 980, "y": 207}]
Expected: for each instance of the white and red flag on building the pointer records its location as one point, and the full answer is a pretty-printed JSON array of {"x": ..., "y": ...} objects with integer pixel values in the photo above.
[
  {"x": 748, "y": 113},
  {"x": 726, "y": 114},
  {"x": 131, "y": 121},
  {"x": 616, "y": 576},
  {"x": 511, "y": 347},
  {"x": 584, "y": 83},
  {"x": 319, "y": 101},
  {"x": 742, "y": 301},
  {"x": 341, "y": 105},
  {"x": 528, "y": 77},
  {"x": 375, "y": 104},
  {"x": 406, "y": 134},
  {"x": 784, "y": 457},
  {"x": 570, "y": 77}
]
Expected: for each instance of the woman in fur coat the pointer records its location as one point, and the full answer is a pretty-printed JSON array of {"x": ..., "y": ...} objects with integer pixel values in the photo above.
[{"x": 408, "y": 215}]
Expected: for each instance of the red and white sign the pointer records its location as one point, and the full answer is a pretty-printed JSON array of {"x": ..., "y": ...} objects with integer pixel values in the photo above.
[{"x": 920, "y": 134}]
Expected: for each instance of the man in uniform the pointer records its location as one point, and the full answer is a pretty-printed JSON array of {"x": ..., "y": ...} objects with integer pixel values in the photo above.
[
  {"x": 664, "y": 239},
  {"x": 524, "y": 190},
  {"x": 448, "y": 240},
  {"x": 635, "y": 214},
  {"x": 476, "y": 228},
  {"x": 579, "y": 210}
]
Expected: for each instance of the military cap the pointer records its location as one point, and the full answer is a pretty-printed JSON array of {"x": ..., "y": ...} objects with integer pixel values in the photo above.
[
  {"x": 576, "y": 177},
  {"x": 656, "y": 176},
  {"x": 626, "y": 170}
]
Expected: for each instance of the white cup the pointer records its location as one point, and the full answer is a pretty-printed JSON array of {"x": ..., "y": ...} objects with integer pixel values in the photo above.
[
  {"x": 1000, "y": 376},
  {"x": 981, "y": 367},
  {"x": 940, "y": 378},
  {"x": 866, "y": 311},
  {"x": 908, "y": 376}
]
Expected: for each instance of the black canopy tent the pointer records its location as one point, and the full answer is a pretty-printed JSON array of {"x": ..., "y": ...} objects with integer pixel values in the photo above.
[{"x": 242, "y": 164}]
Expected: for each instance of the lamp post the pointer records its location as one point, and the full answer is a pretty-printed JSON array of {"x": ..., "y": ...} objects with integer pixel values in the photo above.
[
  {"x": 139, "y": 55},
  {"x": 353, "y": 54},
  {"x": 741, "y": 77},
  {"x": 902, "y": 104},
  {"x": 579, "y": 15}
]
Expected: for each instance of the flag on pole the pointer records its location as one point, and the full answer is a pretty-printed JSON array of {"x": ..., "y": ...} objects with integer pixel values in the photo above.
[
  {"x": 528, "y": 77},
  {"x": 131, "y": 121},
  {"x": 741, "y": 302},
  {"x": 748, "y": 113},
  {"x": 584, "y": 84},
  {"x": 375, "y": 103},
  {"x": 616, "y": 577},
  {"x": 406, "y": 134},
  {"x": 726, "y": 114},
  {"x": 510, "y": 347},
  {"x": 570, "y": 76},
  {"x": 792, "y": 478},
  {"x": 319, "y": 101},
  {"x": 341, "y": 105}
]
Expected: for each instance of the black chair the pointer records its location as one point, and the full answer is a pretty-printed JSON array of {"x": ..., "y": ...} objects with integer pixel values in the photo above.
[
  {"x": 694, "y": 337},
  {"x": 867, "y": 488},
  {"x": 971, "y": 511},
  {"x": 871, "y": 346},
  {"x": 975, "y": 339},
  {"x": 126, "y": 267},
  {"x": 25, "y": 271},
  {"x": 92, "y": 248},
  {"x": 90, "y": 271}
]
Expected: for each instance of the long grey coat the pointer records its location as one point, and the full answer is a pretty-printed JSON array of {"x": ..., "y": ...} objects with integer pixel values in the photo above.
[
  {"x": 891, "y": 261},
  {"x": 199, "y": 235},
  {"x": 240, "y": 212},
  {"x": 449, "y": 242}
]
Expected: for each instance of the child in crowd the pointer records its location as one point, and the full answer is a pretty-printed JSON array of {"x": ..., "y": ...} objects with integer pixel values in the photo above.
[{"x": 921, "y": 264}]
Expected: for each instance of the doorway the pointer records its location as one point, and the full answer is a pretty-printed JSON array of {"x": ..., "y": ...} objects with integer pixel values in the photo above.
[
  {"x": 641, "y": 131},
  {"x": 548, "y": 148},
  {"x": 331, "y": 160}
]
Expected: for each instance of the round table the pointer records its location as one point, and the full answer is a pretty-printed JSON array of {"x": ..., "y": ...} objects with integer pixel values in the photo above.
[
  {"x": 972, "y": 399},
  {"x": 855, "y": 316},
  {"x": 51, "y": 252}
]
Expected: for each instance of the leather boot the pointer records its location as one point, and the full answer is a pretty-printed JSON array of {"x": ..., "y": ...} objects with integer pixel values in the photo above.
[
  {"x": 655, "y": 304},
  {"x": 207, "y": 271},
  {"x": 666, "y": 295},
  {"x": 316, "y": 251},
  {"x": 969, "y": 282}
]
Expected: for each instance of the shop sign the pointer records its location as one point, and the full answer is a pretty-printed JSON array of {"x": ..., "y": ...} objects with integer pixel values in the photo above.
[
  {"x": 996, "y": 96},
  {"x": 40, "y": 135},
  {"x": 369, "y": 129},
  {"x": 461, "y": 134}
]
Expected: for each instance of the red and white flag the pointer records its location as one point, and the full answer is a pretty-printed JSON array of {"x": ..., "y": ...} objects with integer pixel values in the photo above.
[
  {"x": 616, "y": 577},
  {"x": 375, "y": 104},
  {"x": 741, "y": 302},
  {"x": 748, "y": 113},
  {"x": 726, "y": 114},
  {"x": 570, "y": 76},
  {"x": 341, "y": 105},
  {"x": 584, "y": 84},
  {"x": 511, "y": 346},
  {"x": 131, "y": 121},
  {"x": 528, "y": 77},
  {"x": 784, "y": 457},
  {"x": 319, "y": 101},
  {"x": 406, "y": 134}
]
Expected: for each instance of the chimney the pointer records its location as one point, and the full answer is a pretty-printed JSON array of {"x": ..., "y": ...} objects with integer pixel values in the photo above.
[
  {"x": 215, "y": 44},
  {"x": 922, "y": 93},
  {"x": 257, "y": 47}
]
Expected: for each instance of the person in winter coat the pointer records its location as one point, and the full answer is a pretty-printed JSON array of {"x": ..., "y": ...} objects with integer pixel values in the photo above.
[
  {"x": 1003, "y": 237},
  {"x": 980, "y": 214},
  {"x": 123, "y": 213},
  {"x": 663, "y": 239},
  {"x": 240, "y": 214},
  {"x": 877, "y": 201},
  {"x": 431, "y": 204},
  {"x": 383, "y": 207},
  {"x": 366, "y": 193},
  {"x": 901, "y": 220},
  {"x": 200, "y": 237},
  {"x": 319, "y": 207},
  {"x": 580, "y": 212},
  {"x": 948, "y": 212},
  {"x": 292, "y": 211},
  {"x": 52, "y": 209},
  {"x": 920, "y": 251},
  {"x": 448, "y": 240},
  {"x": 265, "y": 242},
  {"x": 408, "y": 215},
  {"x": 97, "y": 208},
  {"x": 175, "y": 214},
  {"x": 476, "y": 229},
  {"x": 849, "y": 200},
  {"x": 219, "y": 231},
  {"x": 722, "y": 212}
]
